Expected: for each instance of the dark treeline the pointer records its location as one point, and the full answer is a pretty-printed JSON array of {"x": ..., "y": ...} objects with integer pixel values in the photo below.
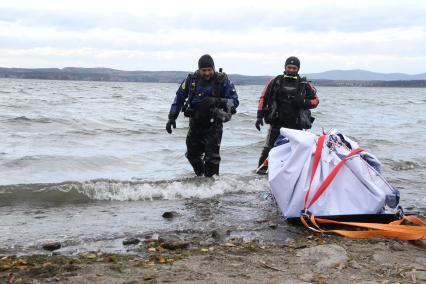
[{"x": 112, "y": 75}]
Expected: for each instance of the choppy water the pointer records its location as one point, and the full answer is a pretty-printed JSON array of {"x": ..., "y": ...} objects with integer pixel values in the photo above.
[{"x": 88, "y": 163}]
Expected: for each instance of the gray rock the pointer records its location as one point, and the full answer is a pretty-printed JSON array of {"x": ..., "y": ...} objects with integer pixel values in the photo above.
[
  {"x": 354, "y": 264},
  {"x": 417, "y": 276},
  {"x": 382, "y": 259},
  {"x": 220, "y": 234},
  {"x": 208, "y": 242},
  {"x": 51, "y": 246},
  {"x": 131, "y": 241},
  {"x": 307, "y": 277},
  {"x": 172, "y": 242},
  {"x": 421, "y": 261},
  {"x": 324, "y": 256},
  {"x": 397, "y": 247},
  {"x": 169, "y": 214}
]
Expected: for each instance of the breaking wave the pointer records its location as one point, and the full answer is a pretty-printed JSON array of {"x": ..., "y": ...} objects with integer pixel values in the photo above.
[
  {"x": 42, "y": 120},
  {"x": 116, "y": 190}
]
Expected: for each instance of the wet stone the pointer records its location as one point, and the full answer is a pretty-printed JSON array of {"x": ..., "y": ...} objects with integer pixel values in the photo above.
[
  {"x": 131, "y": 241},
  {"x": 51, "y": 246},
  {"x": 172, "y": 242},
  {"x": 169, "y": 214},
  {"x": 220, "y": 234}
]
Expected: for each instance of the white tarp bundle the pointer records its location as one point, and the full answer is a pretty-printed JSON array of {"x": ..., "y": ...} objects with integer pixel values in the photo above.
[{"x": 358, "y": 188}]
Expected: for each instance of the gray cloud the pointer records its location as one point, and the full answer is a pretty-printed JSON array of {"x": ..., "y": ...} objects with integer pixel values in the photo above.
[
  {"x": 339, "y": 34},
  {"x": 340, "y": 16}
]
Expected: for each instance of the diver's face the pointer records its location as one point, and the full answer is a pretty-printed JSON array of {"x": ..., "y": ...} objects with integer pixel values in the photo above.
[
  {"x": 291, "y": 70},
  {"x": 206, "y": 73}
]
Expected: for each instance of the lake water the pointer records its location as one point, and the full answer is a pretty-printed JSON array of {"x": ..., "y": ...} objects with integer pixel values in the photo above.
[{"x": 89, "y": 163}]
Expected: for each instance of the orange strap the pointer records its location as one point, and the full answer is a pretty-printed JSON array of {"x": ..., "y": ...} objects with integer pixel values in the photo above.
[
  {"x": 392, "y": 230},
  {"x": 330, "y": 177},
  {"x": 317, "y": 158}
]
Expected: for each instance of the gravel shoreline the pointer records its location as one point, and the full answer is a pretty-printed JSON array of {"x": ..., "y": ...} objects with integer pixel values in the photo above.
[{"x": 308, "y": 259}]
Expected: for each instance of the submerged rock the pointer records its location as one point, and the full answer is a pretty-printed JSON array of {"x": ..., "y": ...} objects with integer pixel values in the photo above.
[
  {"x": 131, "y": 241},
  {"x": 169, "y": 214},
  {"x": 51, "y": 246},
  {"x": 220, "y": 234},
  {"x": 323, "y": 256}
]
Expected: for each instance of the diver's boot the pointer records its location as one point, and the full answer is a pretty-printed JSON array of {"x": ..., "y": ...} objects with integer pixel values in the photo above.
[
  {"x": 263, "y": 168},
  {"x": 211, "y": 169},
  {"x": 198, "y": 167}
]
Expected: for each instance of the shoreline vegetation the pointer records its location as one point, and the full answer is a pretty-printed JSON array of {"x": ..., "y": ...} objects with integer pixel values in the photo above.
[
  {"x": 112, "y": 75},
  {"x": 308, "y": 259}
]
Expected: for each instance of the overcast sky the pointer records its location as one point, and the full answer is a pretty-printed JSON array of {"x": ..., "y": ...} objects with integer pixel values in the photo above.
[{"x": 246, "y": 37}]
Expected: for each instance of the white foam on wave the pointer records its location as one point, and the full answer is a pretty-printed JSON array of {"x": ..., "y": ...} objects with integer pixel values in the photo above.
[{"x": 192, "y": 188}]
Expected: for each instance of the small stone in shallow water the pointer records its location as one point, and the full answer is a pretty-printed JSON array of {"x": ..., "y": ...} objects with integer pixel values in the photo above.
[
  {"x": 51, "y": 246},
  {"x": 131, "y": 241},
  {"x": 169, "y": 214},
  {"x": 220, "y": 234}
]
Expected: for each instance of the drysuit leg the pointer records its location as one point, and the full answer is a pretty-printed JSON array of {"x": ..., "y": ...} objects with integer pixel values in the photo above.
[
  {"x": 195, "y": 149},
  {"x": 273, "y": 133},
  {"x": 212, "y": 140}
]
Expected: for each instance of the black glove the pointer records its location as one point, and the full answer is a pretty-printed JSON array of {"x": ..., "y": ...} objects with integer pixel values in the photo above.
[
  {"x": 171, "y": 122},
  {"x": 226, "y": 105},
  {"x": 222, "y": 103},
  {"x": 259, "y": 122},
  {"x": 169, "y": 125}
]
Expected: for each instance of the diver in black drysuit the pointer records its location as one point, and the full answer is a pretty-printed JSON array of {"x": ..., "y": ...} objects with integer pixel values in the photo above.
[
  {"x": 209, "y": 99},
  {"x": 281, "y": 102}
]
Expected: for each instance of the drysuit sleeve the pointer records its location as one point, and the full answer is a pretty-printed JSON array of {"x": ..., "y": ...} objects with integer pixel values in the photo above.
[
  {"x": 264, "y": 97},
  {"x": 311, "y": 97},
  {"x": 230, "y": 93},
  {"x": 181, "y": 95}
]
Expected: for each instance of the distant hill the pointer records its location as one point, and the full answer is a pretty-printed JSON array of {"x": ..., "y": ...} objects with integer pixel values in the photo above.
[
  {"x": 358, "y": 78},
  {"x": 363, "y": 75},
  {"x": 105, "y": 74}
]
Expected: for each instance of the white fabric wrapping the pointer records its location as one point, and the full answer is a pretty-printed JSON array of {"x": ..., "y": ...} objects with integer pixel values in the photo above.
[{"x": 358, "y": 188}]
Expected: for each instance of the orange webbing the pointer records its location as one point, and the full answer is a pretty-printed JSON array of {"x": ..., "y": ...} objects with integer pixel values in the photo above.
[
  {"x": 331, "y": 176},
  {"x": 315, "y": 164},
  {"x": 392, "y": 230}
]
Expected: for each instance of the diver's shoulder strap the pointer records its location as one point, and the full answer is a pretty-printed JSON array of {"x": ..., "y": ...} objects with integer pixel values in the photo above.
[
  {"x": 220, "y": 78},
  {"x": 276, "y": 84},
  {"x": 193, "y": 80}
]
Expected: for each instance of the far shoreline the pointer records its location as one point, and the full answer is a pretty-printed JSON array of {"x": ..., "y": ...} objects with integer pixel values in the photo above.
[
  {"x": 412, "y": 84},
  {"x": 333, "y": 78}
]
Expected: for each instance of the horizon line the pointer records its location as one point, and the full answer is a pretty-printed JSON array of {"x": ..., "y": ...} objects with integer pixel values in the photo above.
[{"x": 140, "y": 70}]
